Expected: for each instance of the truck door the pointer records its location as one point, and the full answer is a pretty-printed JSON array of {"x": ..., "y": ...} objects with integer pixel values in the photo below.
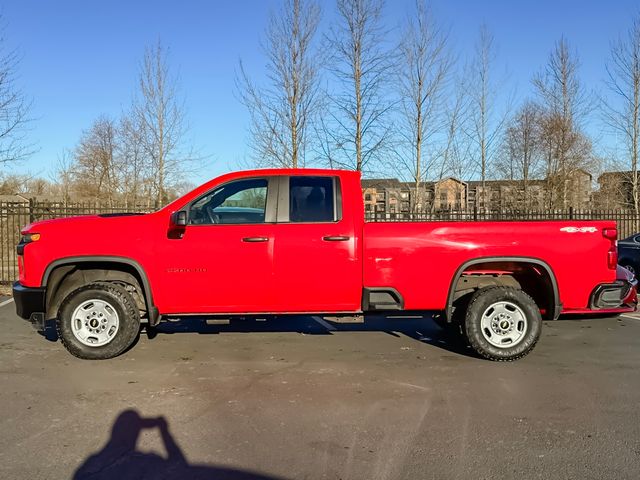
[
  {"x": 316, "y": 260},
  {"x": 223, "y": 261}
]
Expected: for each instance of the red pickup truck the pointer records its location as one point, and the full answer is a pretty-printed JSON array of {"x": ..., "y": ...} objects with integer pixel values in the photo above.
[{"x": 295, "y": 241}]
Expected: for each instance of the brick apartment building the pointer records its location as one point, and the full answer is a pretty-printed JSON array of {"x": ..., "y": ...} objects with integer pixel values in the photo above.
[
  {"x": 390, "y": 195},
  {"x": 615, "y": 192}
]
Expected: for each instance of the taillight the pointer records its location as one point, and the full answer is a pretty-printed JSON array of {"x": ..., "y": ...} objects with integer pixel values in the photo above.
[
  {"x": 612, "y": 258},
  {"x": 612, "y": 254}
]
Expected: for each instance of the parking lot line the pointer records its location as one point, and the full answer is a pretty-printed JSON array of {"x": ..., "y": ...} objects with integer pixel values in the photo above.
[
  {"x": 326, "y": 325},
  {"x": 6, "y": 302},
  {"x": 632, "y": 317}
]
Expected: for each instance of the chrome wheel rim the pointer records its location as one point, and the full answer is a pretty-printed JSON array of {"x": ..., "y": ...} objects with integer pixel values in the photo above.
[
  {"x": 503, "y": 324},
  {"x": 95, "y": 323}
]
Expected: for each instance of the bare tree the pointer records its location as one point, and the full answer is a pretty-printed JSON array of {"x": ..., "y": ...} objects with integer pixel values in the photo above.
[
  {"x": 623, "y": 115},
  {"x": 486, "y": 123},
  {"x": 565, "y": 103},
  {"x": 135, "y": 165},
  {"x": 62, "y": 178},
  {"x": 423, "y": 75},
  {"x": 521, "y": 153},
  {"x": 161, "y": 116},
  {"x": 356, "y": 133},
  {"x": 282, "y": 114},
  {"x": 456, "y": 153},
  {"x": 140, "y": 156},
  {"x": 95, "y": 169},
  {"x": 14, "y": 108},
  {"x": 15, "y": 184}
]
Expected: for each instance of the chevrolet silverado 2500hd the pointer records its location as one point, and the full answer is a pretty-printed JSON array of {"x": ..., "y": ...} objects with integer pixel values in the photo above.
[{"x": 295, "y": 241}]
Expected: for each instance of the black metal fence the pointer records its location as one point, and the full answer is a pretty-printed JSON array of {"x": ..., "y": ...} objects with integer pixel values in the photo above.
[
  {"x": 628, "y": 221},
  {"x": 14, "y": 216}
]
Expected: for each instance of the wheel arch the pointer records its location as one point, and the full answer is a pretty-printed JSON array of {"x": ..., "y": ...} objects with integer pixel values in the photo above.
[
  {"x": 57, "y": 270},
  {"x": 548, "y": 280}
]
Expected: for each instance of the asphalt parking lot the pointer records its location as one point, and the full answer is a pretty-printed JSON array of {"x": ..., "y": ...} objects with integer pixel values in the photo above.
[{"x": 307, "y": 399}]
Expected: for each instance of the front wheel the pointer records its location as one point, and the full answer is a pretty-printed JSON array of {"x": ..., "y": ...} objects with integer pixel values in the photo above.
[
  {"x": 98, "y": 321},
  {"x": 502, "y": 323}
]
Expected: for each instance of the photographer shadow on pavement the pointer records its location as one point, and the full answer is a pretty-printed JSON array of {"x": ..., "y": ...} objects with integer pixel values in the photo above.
[{"x": 120, "y": 459}]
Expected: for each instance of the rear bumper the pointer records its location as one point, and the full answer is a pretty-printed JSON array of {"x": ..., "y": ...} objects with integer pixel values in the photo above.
[
  {"x": 619, "y": 295},
  {"x": 30, "y": 304}
]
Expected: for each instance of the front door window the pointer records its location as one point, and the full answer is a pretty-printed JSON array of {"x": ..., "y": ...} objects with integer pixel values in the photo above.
[{"x": 240, "y": 202}]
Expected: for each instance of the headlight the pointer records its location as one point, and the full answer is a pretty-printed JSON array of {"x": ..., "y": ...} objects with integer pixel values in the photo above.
[
  {"x": 26, "y": 238},
  {"x": 30, "y": 237}
]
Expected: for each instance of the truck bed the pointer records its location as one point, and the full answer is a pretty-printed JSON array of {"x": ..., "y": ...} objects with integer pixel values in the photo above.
[{"x": 420, "y": 258}]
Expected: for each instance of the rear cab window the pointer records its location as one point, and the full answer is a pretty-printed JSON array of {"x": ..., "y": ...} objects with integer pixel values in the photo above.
[{"x": 314, "y": 199}]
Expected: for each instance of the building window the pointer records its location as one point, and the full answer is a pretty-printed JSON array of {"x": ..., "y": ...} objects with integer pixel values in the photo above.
[
  {"x": 404, "y": 195},
  {"x": 367, "y": 197}
]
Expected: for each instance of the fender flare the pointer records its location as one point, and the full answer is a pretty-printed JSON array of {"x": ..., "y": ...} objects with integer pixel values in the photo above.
[
  {"x": 557, "y": 305},
  {"x": 60, "y": 262}
]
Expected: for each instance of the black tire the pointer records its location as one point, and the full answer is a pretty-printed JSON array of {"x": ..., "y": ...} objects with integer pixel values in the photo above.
[
  {"x": 128, "y": 321},
  {"x": 631, "y": 267},
  {"x": 480, "y": 302}
]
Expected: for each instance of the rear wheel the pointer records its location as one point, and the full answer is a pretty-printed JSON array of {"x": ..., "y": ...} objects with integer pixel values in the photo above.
[
  {"x": 502, "y": 323},
  {"x": 98, "y": 321}
]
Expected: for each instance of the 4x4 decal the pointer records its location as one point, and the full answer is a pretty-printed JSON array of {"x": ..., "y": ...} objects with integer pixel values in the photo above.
[{"x": 579, "y": 229}]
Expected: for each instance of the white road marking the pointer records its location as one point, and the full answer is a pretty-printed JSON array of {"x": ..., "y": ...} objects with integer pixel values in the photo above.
[
  {"x": 630, "y": 317},
  {"x": 410, "y": 385},
  {"x": 326, "y": 325},
  {"x": 6, "y": 302}
]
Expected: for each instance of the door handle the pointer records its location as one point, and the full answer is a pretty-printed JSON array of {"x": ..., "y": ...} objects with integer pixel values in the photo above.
[
  {"x": 336, "y": 238},
  {"x": 255, "y": 239}
]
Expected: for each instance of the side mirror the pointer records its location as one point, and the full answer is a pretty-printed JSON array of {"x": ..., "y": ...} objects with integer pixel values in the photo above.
[{"x": 179, "y": 219}]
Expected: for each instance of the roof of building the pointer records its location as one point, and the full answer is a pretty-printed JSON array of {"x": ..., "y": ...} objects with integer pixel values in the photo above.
[
  {"x": 381, "y": 182},
  {"x": 618, "y": 174},
  {"x": 505, "y": 183}
]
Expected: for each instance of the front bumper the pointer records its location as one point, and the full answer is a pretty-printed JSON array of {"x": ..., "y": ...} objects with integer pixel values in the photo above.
[
  {"x": 621, "y": 294},
  {"x": 30, "y": 304}
]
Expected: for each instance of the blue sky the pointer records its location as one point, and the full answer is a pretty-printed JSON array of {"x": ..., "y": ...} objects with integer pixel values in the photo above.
[{"x": 80, "y": 58}]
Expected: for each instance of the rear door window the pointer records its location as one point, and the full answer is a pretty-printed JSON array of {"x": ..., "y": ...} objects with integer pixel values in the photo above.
[{"x": 312, "y": 199}]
